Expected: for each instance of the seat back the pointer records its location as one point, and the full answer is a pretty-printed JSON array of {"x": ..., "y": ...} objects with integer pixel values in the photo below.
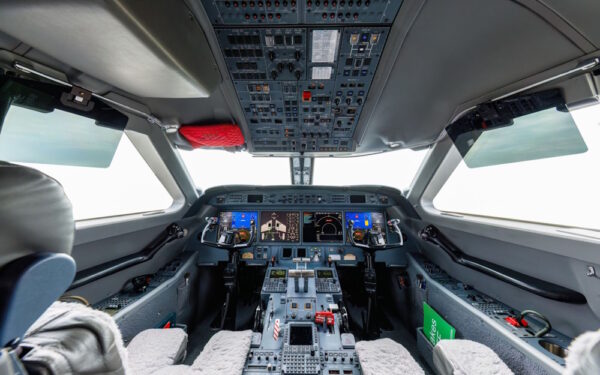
[{"x": 36, "y": 237}]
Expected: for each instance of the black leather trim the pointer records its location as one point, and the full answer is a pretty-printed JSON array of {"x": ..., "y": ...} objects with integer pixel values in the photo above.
[
  {"x": 35, "y": 216},
  {"x": 92, "y": 274}
]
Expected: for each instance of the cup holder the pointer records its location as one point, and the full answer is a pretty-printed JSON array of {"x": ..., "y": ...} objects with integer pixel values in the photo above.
[{"x": 555, "y": 349}]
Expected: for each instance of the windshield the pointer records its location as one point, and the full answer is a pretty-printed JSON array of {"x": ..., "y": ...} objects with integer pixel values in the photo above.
[
  {"x": 396, "y": 169},
  {"x": 209, "y": 168}
]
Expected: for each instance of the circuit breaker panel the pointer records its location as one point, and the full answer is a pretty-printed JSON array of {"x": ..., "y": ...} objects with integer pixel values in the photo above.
[{"x": 302, "y": 69}]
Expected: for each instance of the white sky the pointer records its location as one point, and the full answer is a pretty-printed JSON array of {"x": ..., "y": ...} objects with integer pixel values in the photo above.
[
  {"x": 210, "y": 168},
  {"x": 127, "y": 186}
]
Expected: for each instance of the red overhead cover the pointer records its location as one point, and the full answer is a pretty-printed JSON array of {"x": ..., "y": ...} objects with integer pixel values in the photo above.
[{"x": 218, "y": 135}]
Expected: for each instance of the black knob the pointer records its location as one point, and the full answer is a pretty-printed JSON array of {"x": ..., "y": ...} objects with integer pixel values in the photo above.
[
  {"x": 337, "y": 101},
  {"x": 291, "y": 67},
  {"x": 298, "y": 74},
  {"x": 280, "y": 67},
  {"x": 271, "y": 55},
  {"x": 359, "y": 101},
  {"x": 274, "y": 74},
  {"x": 348, "y": 101},
  {"x": 298, "y": 55}
]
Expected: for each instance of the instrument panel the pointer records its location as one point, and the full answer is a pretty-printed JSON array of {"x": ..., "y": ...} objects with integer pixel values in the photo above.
[{"x": 317, "y": 226}]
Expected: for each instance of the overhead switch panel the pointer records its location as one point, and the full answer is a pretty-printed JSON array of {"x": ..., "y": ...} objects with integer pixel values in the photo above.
[{"x": 302, "y": 69}]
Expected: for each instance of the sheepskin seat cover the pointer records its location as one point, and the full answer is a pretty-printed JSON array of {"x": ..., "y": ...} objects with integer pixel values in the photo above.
[
  {"x": 466, "y": 357},
  {"x": 385, "y": 356}
]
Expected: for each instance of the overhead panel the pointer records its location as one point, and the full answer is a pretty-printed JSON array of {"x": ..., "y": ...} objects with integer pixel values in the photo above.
[{"x": 302, "y": 69}]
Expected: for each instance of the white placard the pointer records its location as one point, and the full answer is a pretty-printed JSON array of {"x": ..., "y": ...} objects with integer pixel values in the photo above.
[
  {"x": 324, "y": 46},
  {"x": 321, "y": 72}
]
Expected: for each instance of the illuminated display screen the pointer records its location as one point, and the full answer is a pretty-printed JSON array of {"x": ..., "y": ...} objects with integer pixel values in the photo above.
[
  {"x": 325, "y": 274},
  {"x": 237, "y": 220},
  {"x": 322, "y": 227},
  {"x": 279, "y": 226},
  {"x": 277, "y": 274},
  {"x": 363, "y": 221}
]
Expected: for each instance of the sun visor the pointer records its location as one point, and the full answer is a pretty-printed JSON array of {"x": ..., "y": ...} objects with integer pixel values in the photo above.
[
  {"x": 147, "y": 48},
  {"x": 218, "y": 135}
]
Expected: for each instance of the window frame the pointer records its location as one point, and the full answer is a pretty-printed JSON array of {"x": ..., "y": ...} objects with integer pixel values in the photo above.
[
  {"x": 149, "y": 153},
  {"x": 437, "y": 169}
]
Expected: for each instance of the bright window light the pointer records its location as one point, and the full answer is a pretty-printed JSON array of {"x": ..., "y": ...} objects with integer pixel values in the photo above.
[
  {"x": 210, "y": 168},
  {"x": 561, "y": 190},
  {"x": 127, "y": 186},
  {"x": 396, "y": 169}
]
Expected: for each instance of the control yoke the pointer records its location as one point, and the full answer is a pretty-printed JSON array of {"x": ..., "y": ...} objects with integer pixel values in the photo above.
[
  {"x": 227, "y": 239},
  {"x": 374, "y": 239}
]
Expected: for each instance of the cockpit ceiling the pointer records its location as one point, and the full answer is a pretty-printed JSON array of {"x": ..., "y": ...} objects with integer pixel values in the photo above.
[{"x": 432, "y": 59}]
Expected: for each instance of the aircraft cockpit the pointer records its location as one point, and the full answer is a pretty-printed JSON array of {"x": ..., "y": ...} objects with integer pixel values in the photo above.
[{"x": 290, "y": 187}]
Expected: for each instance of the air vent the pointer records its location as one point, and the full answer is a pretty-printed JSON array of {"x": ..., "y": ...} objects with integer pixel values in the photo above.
[
  {"x": 357, "y": 199},
  {"x": 338, "y": 198},
  {"x": 255, "y": 198},
  {"x": 234, "y": 198}
]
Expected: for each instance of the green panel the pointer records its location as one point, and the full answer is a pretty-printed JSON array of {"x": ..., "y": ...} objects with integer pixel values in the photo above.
[{"x": 435, "y": 327}]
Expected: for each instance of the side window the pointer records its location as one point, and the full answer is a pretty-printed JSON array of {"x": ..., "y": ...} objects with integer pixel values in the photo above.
[
  {"x": 126, "y": 186},
  {"x": 549, "y": 178},
  {"x": 85, "y": 150}
]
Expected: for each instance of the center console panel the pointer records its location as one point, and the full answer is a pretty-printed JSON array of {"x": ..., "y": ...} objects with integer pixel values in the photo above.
[
  {"x": 302, "y": 330},
  {"x": 302, "y": 240}
]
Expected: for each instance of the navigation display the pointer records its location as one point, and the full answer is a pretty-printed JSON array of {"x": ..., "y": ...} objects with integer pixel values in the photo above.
[
  {"x": 323, "y": 227},
  {"x": 363, "y": 221},
  {"x": 279, "y": 226},
  {"x": 237, "y": 220}
]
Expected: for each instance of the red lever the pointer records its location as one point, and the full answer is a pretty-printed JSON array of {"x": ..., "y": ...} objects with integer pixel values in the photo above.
[
  {"x": 325, "y": 317},
  {"x": 515, "y": 323},
  {"x": 512, "y": 321}
]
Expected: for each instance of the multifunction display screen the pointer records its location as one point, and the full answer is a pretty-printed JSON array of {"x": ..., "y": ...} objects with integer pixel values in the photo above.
[
  {"x": 238, "y": 220},
  {"x": 323, "y": 227},
  {"x": 364, "y": 221},
  {"x": 279, "y": 226}
]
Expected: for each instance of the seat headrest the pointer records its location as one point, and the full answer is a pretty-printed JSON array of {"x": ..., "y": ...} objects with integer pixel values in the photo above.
[{"x": 35, "y": 214}]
